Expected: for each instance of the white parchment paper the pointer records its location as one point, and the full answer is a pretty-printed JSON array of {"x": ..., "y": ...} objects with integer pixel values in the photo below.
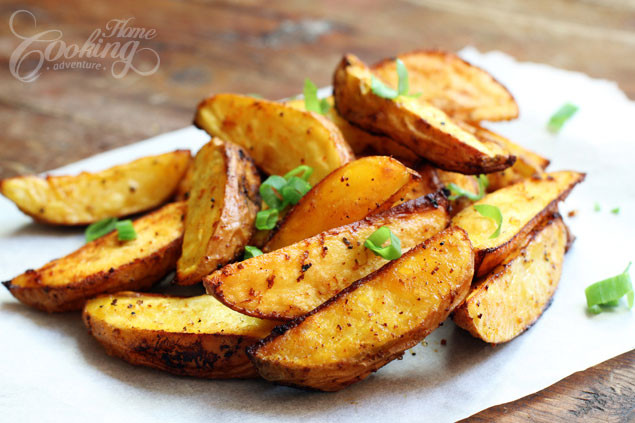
[{"x": 51, "y": 368}]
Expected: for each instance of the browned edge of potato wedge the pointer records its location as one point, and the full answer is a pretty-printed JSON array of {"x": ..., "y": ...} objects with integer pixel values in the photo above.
[
  {"x": 346, "y": 195},
  {"x": 459, "y": 88},
  {"x": 419, "y": 126},
  {"x": 523, "y": 205},
  {"x": 106, "y": 264},
  {"x": 373, "y": 321},
  {"x": 195, "y": 336},
  {"x": 279, "y": 138},
  {"x": 293, "y": 280},
  {"x": 122, "y": 190},
  {"x": 364, "y": 143},
  {"x": 467, "y": 182},
  {"x": 428, "y": 183},
  {"x": 221, "y": 210},
  {"x": 507, "y": 301}
]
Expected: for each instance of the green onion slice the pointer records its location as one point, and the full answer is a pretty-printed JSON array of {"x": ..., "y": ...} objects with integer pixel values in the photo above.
[
  {"x": 404, "y": 85},
  {"x": 597, "y": 207},
  {"x": 458, "y": 192},
  {"x": 382, "y": 90},
  {"x": 125, "y": 230},
  {"x": 375, "y": 241},
  {"x": 270, "y": 191},
  {"x": 266, "y": 219},
  {"x": 616, "y": 210},
  {"x": 491, "y": 212},
  {"x": 608, "y": 291},
  {"x": 100, "y": 228},
  {"x": 294, "y": 190},
  {"x": 304, "y": 170},
  {"x": 559, "y": 118},
  {"x": 251, "y": 251}
]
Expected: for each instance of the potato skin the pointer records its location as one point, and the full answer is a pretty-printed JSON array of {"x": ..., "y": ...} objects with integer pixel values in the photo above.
[
  {"x": 507, "y": 301},
  {"x": 213, "y": 354},
  {"x": 139, "y": 270},
  {"x": 227, "y": 221},
  {"x": 420, "y": 127},
  {"x": 462, "y": 90},
  {"x": 361, "y": 328},
  {"x": 86, "y": 198}
]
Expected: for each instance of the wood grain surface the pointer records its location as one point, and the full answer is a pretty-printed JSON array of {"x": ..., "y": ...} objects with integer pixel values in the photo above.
[{"x": 269, "y": 48}]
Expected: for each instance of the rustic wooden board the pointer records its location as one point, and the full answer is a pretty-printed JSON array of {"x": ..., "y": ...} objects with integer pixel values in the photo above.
[{"x": 269, "y": 48}]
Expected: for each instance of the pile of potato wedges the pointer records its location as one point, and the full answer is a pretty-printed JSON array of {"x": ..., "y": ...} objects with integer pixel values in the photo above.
[{"x": 317, "y": 309}]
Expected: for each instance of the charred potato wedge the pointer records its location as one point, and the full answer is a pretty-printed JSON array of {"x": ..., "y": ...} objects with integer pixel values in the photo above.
[
  {"x": 446, "y": 81},
  {"x": 86, "y": 198},
  {"x": 221, "y": 210},
  {"x": 346, "y": 195},
  {"x": 524, "y": 206},
  {"x": 373, "y": 321},
  {"x": 106, "y": 265},
  {"x": 364, "y": 143},
  {"x": 279, "y": 138},
  {"x": 507, "y": 301},
  {"x": 196, "y": 336},
  {"x": 293, "y": 280},
  {"x": 418, "y": 126}
]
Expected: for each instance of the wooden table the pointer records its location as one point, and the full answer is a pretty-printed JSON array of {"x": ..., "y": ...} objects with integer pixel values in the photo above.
[{"x": 269, "y": 48}]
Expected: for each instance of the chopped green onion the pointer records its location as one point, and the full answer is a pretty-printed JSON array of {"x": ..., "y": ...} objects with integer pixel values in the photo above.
[
  {"x": 324, "y": 106},
  {"x": 597, "y": 207},
  {"x": 270, "y": 191},
  {"x": 382, "y": 90},
  {"x": 403, "y": 85},
  {"x": 616, "y": 210},
  {"x": 294, "y": 190},
  {"x": 491, "y": 212},
  {"x": 304, "y": 170},
  {"x": 402, "y": 73},
  {"x": 266, "y": 219},
  {"x": 125, "y": 230},
  {"x": 251, "y": 251},
  {"x": 375, "y": 241},
  {"x": 457, "y": 191},
  {"x": 559, "y": 118},
  {"x": 100, "y": 228},
  {"x": 608, "y": 291}
]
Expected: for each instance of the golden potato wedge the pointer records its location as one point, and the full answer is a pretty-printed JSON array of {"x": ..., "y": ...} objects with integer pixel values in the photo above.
[
  {"x": 524, "y": 206},
  {"x": 279, "y": 138},
  {"x": 507, "y": 301},
  {"x": 196, "y": 336},
  {"x": 364, "y": 143},
  {"x": 293, "y": 280},
  {"x": 429, "y": 183},
  {"x": 373, "y": 321},
  {"x": 89, "y": 197},
  {"x": 419, "y": 126},
  {"x": 221, "y": 210},
  {"x": 106, "y": 264},
  {"x": 467, "y": 182},
  {"x": 453, "y": 85},
  {"x": 346, "y": 195}
]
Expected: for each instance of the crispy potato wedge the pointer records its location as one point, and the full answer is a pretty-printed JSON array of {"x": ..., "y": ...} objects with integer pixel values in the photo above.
[
  {"x": 279, "y": 138},
  {"x": 346, "y": 195},
  {"x": 221, "y": 210},
  {"x": 429, "y": 183},
  {"x": 453, "y": 85},
  {"x": 196, "y": 336},
  {"x": 467, "y": 182},
  {"x": 419, "y": 126},
  {"x": 106, "y": 264},
  {"x": 524, "y": 206},
  {"x": 293, "y": 280},
  {"x": 364, "y": 143},
  {"x": 507, "y": 301},
  {"x": 82, "y": 199},
  {"x": 373, "y": 321}
]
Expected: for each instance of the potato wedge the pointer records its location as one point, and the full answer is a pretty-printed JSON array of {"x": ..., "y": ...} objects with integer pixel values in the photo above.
[
  {"x": 346, "y": 195},
  {"x": 86, "y": 198},
  {"x": 293, "y": 280},
  {"x": 453, "y": 85},
  {"x": 364, "y": 143},
  {"x": 221, "y": 210},
  {"x": 429, "y": 183},
  {"x": 507, "y": 301},
  {"x": 106, "y": 264},
  {"x": 373, "y": 321},
  {"x": 279, "y": 138},
  {"x": 419, "y": 126},
  {"x": 196, "y": 336},
  {"x": 467, "y": 182},
  {"x": 524, "y": 206}
]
